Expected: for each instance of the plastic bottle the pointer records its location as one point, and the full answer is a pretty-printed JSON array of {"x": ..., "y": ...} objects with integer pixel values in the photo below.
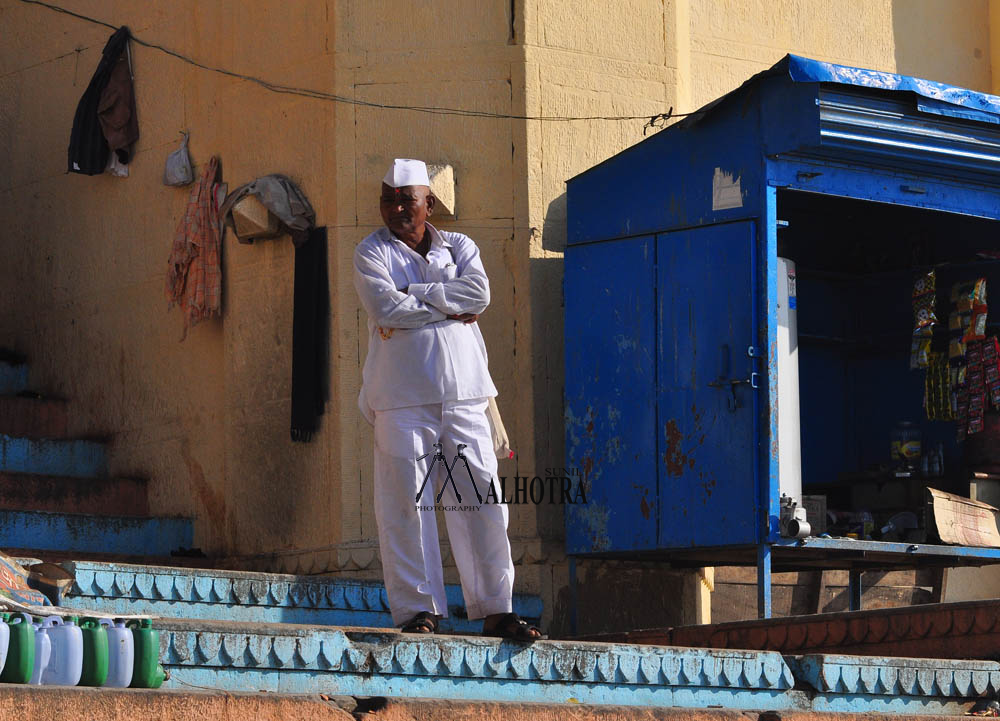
[
  {"x": 905, "y": 446},
  {"x": 95, "y": 653},
  {"x": 4, "y": 638},
  {"x": 66, "y": 659},
  {"x": 121, "y": 654},
  {"x": 867, "y": 524},
  {"x": 20, "y": 651},
  {"x": 147, "y": 672},
  {"x": 43, "y": 648}
]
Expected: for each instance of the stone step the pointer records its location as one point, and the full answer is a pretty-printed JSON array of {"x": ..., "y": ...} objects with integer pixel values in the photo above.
[
  {"x": 76, "y": 458},
  {"x": 20, "y": 701},
  {"x": 378, "y": 662},
  {"x": 101, "y": 496},
  {"x": 251, "y": 597},
  {"x": 127, "y": 535},
  {"x": 194, "y": 558},
  {"x": 963, "y": 630},
  {"x": 370, "y": 662},
  {"x": 13, "y": 374},
  {"x": 28, "y": 417},
  {"x": 113, "y": 704}
]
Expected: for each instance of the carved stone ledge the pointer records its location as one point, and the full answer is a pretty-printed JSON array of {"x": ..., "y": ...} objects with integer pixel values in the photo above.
[
  {"x": 242, "y": 588},
  {"x": 897, "y": 676},
  {"x": 368, "y": 652}
]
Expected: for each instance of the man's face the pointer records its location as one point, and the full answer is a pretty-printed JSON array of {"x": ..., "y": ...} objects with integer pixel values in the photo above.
[{"x": 405, "y": 209}]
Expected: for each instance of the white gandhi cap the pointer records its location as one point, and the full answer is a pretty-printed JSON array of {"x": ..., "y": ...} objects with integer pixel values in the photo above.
[{"x": 405, "y": 171}]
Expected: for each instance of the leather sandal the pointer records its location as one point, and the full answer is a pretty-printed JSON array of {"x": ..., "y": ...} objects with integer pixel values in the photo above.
[
  {"x": 514, "y": 628},
  {"x": 423, "y": 622}
]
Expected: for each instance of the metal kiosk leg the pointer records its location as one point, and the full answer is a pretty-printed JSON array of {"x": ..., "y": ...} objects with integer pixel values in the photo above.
[{"x": 764, "y": 580}]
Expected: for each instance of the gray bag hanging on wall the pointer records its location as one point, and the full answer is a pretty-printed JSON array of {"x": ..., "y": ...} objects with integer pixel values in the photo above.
[{"x": 178, "y": 170}]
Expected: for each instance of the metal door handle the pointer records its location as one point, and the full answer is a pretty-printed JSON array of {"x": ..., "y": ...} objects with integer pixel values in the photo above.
[
  {"x": 732, "y": 402},
  {"x": 753, "y": 381}
]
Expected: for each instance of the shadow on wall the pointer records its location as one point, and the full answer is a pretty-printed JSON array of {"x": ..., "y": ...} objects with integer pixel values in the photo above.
[
  {"x": 547, "y": 363},
  {"x": 615, "y": 597},
  {"x": 943, "y": 40}
]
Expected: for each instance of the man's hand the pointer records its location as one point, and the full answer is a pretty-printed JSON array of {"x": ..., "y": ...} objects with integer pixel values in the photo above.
[{"x": 464, "y": 317}]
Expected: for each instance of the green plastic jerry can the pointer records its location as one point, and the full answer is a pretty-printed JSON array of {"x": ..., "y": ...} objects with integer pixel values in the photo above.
[
  {"x": 147, "y": 671},
  {"x": 20, "y": 650},
  {"x": 95, "y": 653}
]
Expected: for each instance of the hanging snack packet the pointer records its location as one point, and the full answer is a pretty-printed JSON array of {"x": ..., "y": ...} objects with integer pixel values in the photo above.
[
  {"x": 937, "y": 395},
  {"x": 974, "y": 353},
  {"x": 924, "y": 300},
  {"x": 959, "y": 322},
  {"x": 977, "y": 325},
  {"x": 925, "y": 284},
  {"x": 977, "y": 409},
  {"x": 991, "y": 350},
  {"x": 923, "y": 312},
  {"x": 967, "y": 295},
  {"x": 920, "y": 350}
]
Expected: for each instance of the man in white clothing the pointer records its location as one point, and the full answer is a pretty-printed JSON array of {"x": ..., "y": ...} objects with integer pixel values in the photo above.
[{"x": 426, "y": 382}]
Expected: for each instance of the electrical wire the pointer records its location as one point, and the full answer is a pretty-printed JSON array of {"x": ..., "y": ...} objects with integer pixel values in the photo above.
[{"x": 653, "y": 122}]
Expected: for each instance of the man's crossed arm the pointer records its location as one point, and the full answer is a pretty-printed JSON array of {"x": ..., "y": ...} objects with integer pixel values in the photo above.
[{"x": 462, "y": 298}]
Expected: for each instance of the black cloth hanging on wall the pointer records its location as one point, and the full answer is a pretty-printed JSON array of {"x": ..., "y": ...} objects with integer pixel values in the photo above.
[
  {"x": 310, "y": 335},
  {"x": 88, "y": 148}
]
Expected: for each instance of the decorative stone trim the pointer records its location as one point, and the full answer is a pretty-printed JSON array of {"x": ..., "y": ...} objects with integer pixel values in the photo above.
[
  {"x": 231, "y": 587},
  {"x": 186, "y": 644},
  {"x": 897, "y": 676},
  {"x": 109, "y": 581}
]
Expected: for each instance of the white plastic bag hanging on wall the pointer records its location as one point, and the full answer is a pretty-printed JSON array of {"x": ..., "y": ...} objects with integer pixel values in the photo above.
[{"x": 178, "y": 170}]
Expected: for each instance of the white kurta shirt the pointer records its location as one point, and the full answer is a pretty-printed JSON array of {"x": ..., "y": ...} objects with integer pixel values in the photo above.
[{"x": 426, "y": 358}]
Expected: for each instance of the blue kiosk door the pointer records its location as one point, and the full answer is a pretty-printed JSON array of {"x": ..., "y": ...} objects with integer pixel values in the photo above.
[
  {"x": 611, "y": 394},
  {"x": 705, "y": 379}
]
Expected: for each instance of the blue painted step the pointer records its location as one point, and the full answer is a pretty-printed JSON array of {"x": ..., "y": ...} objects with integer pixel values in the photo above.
[
  {"x": 120, "y": 535},
  {"x": 74, "y": 458},
  {"x": 368, "y": 662},
  {"x": 13, "y": 377},
  {"x": 251, "y": 597}
]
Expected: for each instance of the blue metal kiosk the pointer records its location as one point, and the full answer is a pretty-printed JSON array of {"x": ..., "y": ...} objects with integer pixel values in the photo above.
[{"x": 672, "y": 389}]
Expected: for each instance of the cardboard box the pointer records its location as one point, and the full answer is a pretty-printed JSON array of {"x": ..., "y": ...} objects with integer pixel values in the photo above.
[
  {"x": 962, "y": 521},
  {"x": 253, "y": 221}
]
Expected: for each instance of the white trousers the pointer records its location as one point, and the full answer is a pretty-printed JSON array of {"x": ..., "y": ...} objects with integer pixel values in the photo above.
[{"x": 408, "y": 537}]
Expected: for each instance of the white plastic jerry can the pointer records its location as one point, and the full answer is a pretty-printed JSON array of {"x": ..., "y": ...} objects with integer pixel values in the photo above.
[
  {"x": 43, "y": 648},
  {"x": 66, "y": 658},
  {"x": 121, "y": 653}
]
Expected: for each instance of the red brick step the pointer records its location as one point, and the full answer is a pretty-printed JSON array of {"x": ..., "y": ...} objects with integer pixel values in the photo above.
[
  {"x": 963, "y": 630},
  {"x": 32, "y": 417},
  {"x": 99, "y": 496}
]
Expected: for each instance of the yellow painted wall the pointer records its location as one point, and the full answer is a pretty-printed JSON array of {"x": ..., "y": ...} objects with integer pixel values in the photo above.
[
  {"x": 83, "y": 289},
  {"x": 207, "y": 419}
]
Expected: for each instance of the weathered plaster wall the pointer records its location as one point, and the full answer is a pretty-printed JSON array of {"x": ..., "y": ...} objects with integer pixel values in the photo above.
[
  {"x": 207, "y": 419},
  {"x": 83, "y": 286}
]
